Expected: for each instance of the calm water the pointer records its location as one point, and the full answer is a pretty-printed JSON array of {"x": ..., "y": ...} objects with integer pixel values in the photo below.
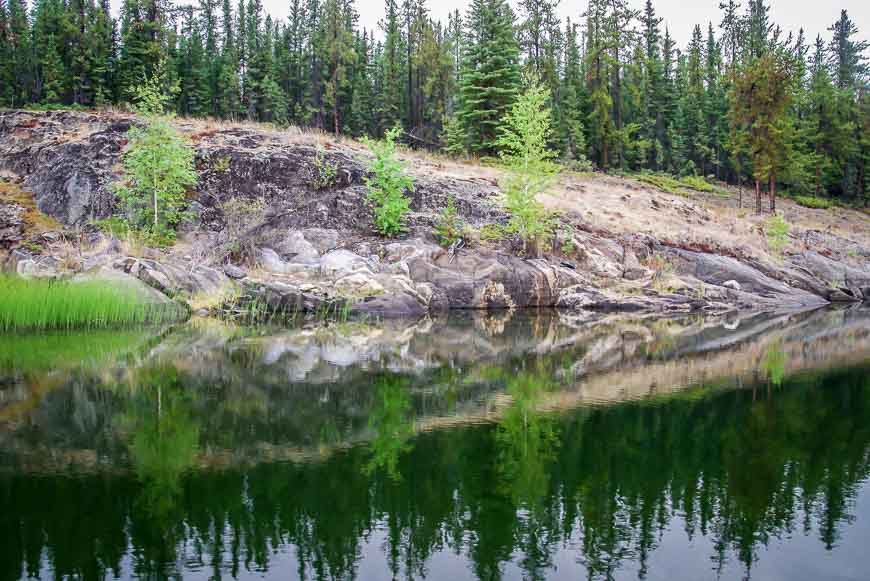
[{"x": 508, "y": 447}]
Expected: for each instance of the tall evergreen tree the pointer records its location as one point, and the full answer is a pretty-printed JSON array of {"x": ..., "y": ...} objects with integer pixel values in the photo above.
[{"x": 490, "y": 77}]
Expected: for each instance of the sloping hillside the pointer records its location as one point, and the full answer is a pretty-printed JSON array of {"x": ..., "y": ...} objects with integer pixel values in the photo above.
[{"x": 285, "y": 215}]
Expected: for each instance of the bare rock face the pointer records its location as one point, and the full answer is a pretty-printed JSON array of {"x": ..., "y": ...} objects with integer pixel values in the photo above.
[
  {"x": 174, "y": 279},
  {"x": 65, "y": 159},
  {"x": 11, "y": 224},
  {"x": 718, "y": 270}
]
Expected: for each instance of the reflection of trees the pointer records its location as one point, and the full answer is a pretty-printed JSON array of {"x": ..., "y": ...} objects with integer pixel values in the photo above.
[
  {"x": 738, "y": 471},
  {"x": 526, "y": 439},
  {"x": 392, "y": 424},
  {"x": 774, "y": 364},
  {"x": 163, "y": 445}
]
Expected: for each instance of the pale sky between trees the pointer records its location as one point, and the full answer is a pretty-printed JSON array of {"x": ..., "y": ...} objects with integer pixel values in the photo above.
[{"x": 680, "y": 16}]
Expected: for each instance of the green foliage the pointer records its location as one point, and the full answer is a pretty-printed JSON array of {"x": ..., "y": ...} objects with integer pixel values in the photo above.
[
  {"x": 493, "y": 233},
  {"x": 56, "y": 350},
  {"x": 697, "y": 183},
  {"x": 490, "y": 76},
  {"x": 158, "y": 170},
  {"x": 387, "y": 185},
  {"x": 679, "y": 186},
  {"x": 324, "y": 173},
  {"x": 524, "y": 137},
  {"x": 814, "y": 202},
  {"x": 41, "y": 304},
  {"x": 449, "y": 228},
  {"x": 663, "y": 182},
  {"x": 776, "y": 231},
  {"x": 221, "y": 165},
  {"x": 155, "y": 95}
]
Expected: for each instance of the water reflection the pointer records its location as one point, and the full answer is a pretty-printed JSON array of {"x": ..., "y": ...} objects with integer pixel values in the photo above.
[{"x": 208, "y": 453}]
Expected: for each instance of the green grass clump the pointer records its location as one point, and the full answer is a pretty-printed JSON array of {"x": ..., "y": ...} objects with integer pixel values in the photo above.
[
  {"x": 679, "y": 187},
  {"x": 697, "y": 183},
  {"x": 43, "y": 304},
  {"x": 813, "y": 202},
  {"x": 663, "y": 182}
]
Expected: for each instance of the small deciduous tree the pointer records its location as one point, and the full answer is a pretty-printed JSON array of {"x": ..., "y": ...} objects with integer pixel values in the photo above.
[
  {"x": 387, "y": 185},
  {"x": 158, "y": 170},
  {"x": 523, "y": 141}
]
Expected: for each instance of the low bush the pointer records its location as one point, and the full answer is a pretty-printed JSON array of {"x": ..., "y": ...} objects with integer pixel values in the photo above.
[
  {"x": 663, "y": 182},
  {"x": 776, "y": 231},
  {"x": 814, "y": 202},
  {"x": 449, "y": 228},
  {"x": 387, "y": 185},
  {"x": 41, "y": 304},
  {"x": 324, "y": 174},
  {"x": 697, "y": 183}
]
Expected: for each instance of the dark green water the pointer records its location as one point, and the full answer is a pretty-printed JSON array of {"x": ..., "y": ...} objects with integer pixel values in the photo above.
[{"x": 507, "y": 448}]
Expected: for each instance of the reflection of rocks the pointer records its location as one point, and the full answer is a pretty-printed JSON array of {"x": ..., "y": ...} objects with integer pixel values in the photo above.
[{"x": 273, "y": 394}]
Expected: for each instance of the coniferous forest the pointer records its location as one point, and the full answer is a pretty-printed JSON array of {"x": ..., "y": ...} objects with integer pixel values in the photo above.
[{"x": 743, "y": 102}]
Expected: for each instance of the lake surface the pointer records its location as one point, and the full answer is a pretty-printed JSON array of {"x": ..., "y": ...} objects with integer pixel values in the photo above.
[{"x": 499, "y": 447}]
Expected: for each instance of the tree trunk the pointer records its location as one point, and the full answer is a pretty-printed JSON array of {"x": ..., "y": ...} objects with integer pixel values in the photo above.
[
  {"x": 771, "y": 190},
  {"x": 757, "y": 196}
]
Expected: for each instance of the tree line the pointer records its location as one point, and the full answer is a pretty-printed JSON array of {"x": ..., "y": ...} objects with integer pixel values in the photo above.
[{"x": 742, "y": 102}]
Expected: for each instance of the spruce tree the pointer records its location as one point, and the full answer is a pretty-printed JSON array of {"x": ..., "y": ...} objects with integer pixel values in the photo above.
[
  {"x": 490, "y": 77},
  {"x": 848, "y": 63}
]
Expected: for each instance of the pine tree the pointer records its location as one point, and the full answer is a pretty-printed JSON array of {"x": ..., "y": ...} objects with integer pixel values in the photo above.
[
  {"x": 142, "y": 44},
  {"x": 846, "y": 55},
  {"x": 653, "y": 88},
  {"x": 228, "y": 90},
  {"x": 759, "y": 101},
  {"x": 598, "y": 65},
  {"x": 19, "y": 67},
  {"x": 50, "y": 26},
  {"x": 490, "y": 77},
  {"x": 573, "y": 97},
  {"x": 392, "y": 66},
  {"x": 715, "y": 107},
  {"x": 340, "y": 57},
  {"x": 5, "y": 57}
]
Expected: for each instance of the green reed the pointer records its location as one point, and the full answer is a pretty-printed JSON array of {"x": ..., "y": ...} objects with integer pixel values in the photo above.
[{"x": 41, "y": 304}]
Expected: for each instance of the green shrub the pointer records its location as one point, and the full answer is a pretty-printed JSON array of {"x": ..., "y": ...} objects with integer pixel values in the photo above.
[
  {"x": 663, "y": 182},
  {"x": 776, "y": 231},
  {"x": 158, "y": 170},
  {"x": 493, "y": 233},
  {"x": 40, "y": 304},
  {"x": 324, "y": 174},
  {"x": 387, "y": 185},
  {"x": 814, "y": 202},
  {"x": 449, "y": 228},
  {"x": 158, "y": 165},
  {"x": 523, "y": 141},
  {"x": 697, "y": 183}
]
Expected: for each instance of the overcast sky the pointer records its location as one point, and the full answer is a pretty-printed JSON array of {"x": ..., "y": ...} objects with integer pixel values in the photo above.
[{"x": 680, "y": 16}]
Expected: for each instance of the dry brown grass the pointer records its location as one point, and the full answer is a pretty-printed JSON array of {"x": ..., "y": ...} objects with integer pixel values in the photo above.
[{"x": 625, "y": 206}]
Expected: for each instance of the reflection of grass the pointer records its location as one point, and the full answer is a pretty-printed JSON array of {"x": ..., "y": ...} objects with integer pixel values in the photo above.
[
  {"x": 52, "y": 304},
  {"x": 47, "y": 351}
]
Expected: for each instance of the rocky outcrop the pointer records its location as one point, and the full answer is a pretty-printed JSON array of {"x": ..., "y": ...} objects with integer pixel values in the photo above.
[{"x": 313, "y": 248}]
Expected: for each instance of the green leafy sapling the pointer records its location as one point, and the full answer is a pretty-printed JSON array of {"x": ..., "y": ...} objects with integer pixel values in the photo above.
[
  {"x": 449, "y": 228},
  {"x": 523, "y": 142},
  {"x": 158, "y": 169},
  {"x": 387, "y": 184}
]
